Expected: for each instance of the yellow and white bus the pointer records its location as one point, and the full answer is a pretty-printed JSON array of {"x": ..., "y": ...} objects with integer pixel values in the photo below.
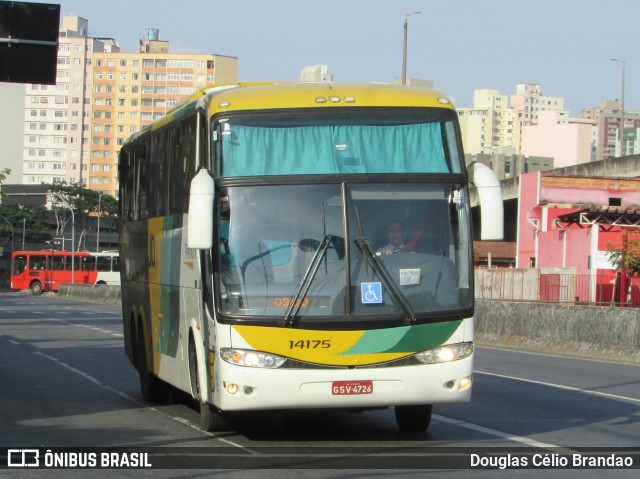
[{"x": 252, "y": 245}]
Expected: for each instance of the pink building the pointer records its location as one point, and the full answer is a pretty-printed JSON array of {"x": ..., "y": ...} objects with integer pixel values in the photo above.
[
  {"x": 570, "y": 223},
  {"x": 569, "y": 142}
]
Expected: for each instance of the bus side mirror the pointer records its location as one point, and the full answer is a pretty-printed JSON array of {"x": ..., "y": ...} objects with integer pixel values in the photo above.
[
  {"x": 200, "y": 217},
  {"x": 490, "y": 199}
]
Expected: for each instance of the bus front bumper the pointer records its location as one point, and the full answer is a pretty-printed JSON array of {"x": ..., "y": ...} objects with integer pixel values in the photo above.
[{"x": 239, "y": 388}]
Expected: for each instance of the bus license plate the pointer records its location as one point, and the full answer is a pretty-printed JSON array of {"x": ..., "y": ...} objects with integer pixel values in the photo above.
[{"x": 342, "y": 388}]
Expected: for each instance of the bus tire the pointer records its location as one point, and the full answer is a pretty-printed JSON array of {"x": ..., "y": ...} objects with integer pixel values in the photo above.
[
  {"x": 36, "y": 288},
  {"x": 211, "y": 419},
  {"x": 415, "y": 418},
  {"x": 153, "y": 389}
]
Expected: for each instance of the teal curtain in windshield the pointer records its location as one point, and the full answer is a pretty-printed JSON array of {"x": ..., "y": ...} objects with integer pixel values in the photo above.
[{"x": 309, "y": 150}]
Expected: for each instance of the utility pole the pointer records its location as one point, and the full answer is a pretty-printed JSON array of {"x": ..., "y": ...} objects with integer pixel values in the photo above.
[{"x": 404, "y": 49}]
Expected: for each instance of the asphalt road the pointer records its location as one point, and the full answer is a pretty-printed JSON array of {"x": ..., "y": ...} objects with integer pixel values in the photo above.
[{"x": 65, "y": 382}]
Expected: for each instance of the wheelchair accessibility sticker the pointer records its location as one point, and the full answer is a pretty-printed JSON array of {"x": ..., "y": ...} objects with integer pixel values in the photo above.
[{"x": 371, "y": 293}]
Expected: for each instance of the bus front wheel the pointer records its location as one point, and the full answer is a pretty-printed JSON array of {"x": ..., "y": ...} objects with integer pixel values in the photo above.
[
  {"x": 36, "y": 288},
  {"x": 211, "y": 419},
  {"x": 414, "y": 418}
]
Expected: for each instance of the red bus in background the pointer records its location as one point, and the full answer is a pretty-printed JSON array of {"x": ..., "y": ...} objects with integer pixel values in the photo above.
[{"x": 46, "y": 270}]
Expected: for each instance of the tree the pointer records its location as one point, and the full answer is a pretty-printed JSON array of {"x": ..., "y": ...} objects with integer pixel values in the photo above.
[
  {"x": 3, "y": 176},
  {"x": 85, "y": 203},
  {"x": 626, "y": 256},
  {"x": 30, "y": 218}
]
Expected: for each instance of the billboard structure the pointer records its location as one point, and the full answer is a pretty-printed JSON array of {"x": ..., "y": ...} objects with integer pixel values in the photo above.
[{"x": 29, "y": 42}]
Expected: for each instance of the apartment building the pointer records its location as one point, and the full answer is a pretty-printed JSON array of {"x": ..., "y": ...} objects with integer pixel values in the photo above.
[
  {"x": 507, "y": 137},
  {"x": 73, "y": 130},
  {"x": 490, "y": 126},
  {"x": 607, "y": 118},
  {"x": 131, "y": 90},
  {"x": 57, "y": 117},
  {"x": 529, "y": 102}
]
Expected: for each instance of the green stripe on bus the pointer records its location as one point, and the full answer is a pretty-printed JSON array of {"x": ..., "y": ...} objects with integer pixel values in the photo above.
[{"x": 409, "y": 339}]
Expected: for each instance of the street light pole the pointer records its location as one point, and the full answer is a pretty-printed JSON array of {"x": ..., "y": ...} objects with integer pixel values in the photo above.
[
  {"x": 404, "y": 49},
  {"x": 98, "y": 229},
  {"x": 622, "y": 62},
  {"x": 73, "y": 235}
]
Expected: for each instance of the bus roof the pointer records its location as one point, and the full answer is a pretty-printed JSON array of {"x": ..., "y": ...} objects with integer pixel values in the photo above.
[
  {"x": 321, "y": 95},
  {"x": 252, "y": 96}
]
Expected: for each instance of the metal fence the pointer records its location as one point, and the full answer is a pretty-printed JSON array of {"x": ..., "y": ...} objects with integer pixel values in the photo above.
[{"x": 534, "y": 284}]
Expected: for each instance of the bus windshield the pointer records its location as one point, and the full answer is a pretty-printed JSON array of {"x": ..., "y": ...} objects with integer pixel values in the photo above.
[
  {"x": 375, "y": 141},
  {"x": 299, "y": 253}
]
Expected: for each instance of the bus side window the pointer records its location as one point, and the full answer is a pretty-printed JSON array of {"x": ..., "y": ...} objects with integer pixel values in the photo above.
[
  {"x": 115, "y": 264},
  {"x": 103, "y": 263},
  {"x": 88, "y": 263},
  {"x": 37, "y": 263},
  {"x": 76, "y": 263},
  {"x": 57, "y": 263},
  {"x": 19, "y": 264}
]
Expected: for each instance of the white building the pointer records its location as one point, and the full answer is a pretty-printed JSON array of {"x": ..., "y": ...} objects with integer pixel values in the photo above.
[
  {"x": 57, "y": 117},
  {"x": 316, "y": 73},
  {"x": 530, "y": 101}
]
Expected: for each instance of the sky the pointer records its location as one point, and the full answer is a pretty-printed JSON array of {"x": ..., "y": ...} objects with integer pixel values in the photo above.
[{"x": 565, "y": 46}]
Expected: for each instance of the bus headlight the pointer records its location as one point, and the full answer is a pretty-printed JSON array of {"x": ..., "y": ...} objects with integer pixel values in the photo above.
[
  {"x": 252, "y": 359},
  {"x": 445, "y": 354}
]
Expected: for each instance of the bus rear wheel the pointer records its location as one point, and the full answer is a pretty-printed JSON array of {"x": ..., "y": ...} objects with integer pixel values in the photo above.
[
  {"x": 153, "y": 389},
  {"x": 36, "y": 288},
  {"x": 415, "y": 418}
]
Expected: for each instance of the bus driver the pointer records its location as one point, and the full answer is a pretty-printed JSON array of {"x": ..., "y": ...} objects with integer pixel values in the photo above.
[{"x": 395, "y": 237}]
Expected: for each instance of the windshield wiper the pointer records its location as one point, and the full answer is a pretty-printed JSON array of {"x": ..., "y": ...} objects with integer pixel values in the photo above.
[
  {"x": 365, "y": 247},
  {"x": 303, "y": 288}
]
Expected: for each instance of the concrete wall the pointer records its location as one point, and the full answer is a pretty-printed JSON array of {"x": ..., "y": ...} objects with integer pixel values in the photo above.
[
  {"x": 99, "y": 293},
  {"x": 587, "y": 331}
]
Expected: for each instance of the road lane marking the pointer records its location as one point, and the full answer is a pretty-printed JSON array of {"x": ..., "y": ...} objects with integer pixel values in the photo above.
[
  {"x": 456, "y": 422},
  {"x": 560, "y": 356},
  {"x": 135, "y": 401},
  {"x": 72, "y": 322},
  {"x": 560, "y": 386},
  {"x": 495, "y": 432}
]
